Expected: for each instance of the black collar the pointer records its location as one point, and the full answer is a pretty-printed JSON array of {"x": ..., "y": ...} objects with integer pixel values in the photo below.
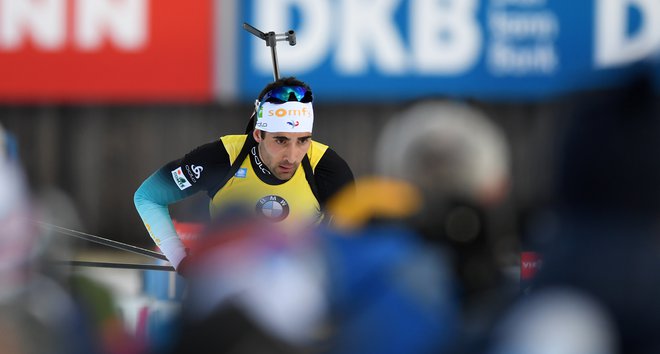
[{"x": 260, "y": 168}]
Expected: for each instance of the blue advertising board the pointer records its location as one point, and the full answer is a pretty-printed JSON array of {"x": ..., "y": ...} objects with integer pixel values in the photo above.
[{"x": 357, "y": 50}]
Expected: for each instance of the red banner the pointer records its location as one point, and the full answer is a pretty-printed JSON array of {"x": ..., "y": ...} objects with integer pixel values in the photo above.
[{"x": 105, "y": 50}]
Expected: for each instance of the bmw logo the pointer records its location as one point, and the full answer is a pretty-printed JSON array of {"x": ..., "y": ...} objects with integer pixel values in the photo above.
[{"x": 272, "y": 207}]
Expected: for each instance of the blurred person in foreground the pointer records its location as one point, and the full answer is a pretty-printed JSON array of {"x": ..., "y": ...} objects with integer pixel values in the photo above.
[
  {"x": 388, "y": 290},
  {"x": 275, "y": 169},
  {"x": 598, "y": 288},
  {"x": 44, "y": 308},
  {"x": 459, "y": 160},
  {"x": 363, "y": 284},
  {"x": 251, "y": 289}
]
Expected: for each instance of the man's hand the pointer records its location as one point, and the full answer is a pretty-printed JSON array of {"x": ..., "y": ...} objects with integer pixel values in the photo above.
[{"x": 184, "y": 268}]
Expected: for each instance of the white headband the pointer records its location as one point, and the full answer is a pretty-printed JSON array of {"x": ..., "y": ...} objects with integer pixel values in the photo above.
[{"x": 293, "y": 117}]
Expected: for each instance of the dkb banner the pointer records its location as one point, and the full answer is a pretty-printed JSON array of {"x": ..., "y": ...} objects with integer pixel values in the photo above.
[
  {"x": 359, "y": 50},
  {"x": 493, "y": 49}
]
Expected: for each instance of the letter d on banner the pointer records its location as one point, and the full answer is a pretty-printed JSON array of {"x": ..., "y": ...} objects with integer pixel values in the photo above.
[
  {"x": 614, "y": 46},
  {"x": 313, "y": 36}
]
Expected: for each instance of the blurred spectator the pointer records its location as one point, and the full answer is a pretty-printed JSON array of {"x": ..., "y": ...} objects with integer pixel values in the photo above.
[
  {"x": 602, "y": 246},
  {"x": 366, "y": 285},
  {"x": 557, "y": 321},
  {"x": 459, "y": 159},
  {"x": 388, "y": 291},
  {"x": 41, "y": 310},
  {"x": 446, "y": 149},
  {"x": 251, "y": 289},
  {"x": 36, "y": 313}
]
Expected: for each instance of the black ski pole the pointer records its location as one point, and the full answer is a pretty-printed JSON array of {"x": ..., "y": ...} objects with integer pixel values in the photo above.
[
  {"x": 103, "y": 241},
  {"x": 113, "y": 265}
]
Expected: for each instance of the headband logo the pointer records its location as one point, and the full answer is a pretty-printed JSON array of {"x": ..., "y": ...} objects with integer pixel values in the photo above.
[
  {"x": 285, "y": 117},
  {"x": 281, "y": 112}
]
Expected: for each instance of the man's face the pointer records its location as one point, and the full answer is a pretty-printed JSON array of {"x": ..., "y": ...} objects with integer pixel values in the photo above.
[{"x": 282, "y": 152}]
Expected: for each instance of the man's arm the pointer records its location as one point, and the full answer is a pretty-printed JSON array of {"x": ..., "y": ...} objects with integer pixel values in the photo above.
[
  {"x": 151, "y": 201},
  {"x": 179, "y": 179}
]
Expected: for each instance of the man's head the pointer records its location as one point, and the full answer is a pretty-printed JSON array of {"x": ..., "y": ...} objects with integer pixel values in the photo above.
[
  {"x": 448, "y": 150},
  {"x": 283, "y": 125}
]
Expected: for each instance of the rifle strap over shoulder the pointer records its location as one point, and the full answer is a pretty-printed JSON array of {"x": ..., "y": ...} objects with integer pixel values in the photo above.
[{"x": 247, "y": 145}]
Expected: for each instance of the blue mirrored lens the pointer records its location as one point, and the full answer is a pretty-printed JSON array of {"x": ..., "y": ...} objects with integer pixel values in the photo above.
[{"x": 288, "y": 93}]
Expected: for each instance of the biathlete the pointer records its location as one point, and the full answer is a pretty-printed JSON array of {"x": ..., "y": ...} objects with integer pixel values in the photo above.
[{"x": 275, "y": 170}]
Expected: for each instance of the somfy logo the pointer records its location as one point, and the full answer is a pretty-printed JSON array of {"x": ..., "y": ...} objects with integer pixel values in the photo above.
[{"x": 281, "y": 112}]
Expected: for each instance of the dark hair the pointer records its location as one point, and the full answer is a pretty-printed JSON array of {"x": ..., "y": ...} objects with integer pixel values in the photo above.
[{"x": 285, "y": 81}]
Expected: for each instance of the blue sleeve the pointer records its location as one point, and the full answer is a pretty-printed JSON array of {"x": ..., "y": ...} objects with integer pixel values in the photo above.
[
  {"x": 151, "y": 201},
  {"x": 199, "y": 170}
]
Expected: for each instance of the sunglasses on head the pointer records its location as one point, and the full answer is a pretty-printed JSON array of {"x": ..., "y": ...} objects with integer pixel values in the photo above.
[{"x": 288, "y": 93}]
